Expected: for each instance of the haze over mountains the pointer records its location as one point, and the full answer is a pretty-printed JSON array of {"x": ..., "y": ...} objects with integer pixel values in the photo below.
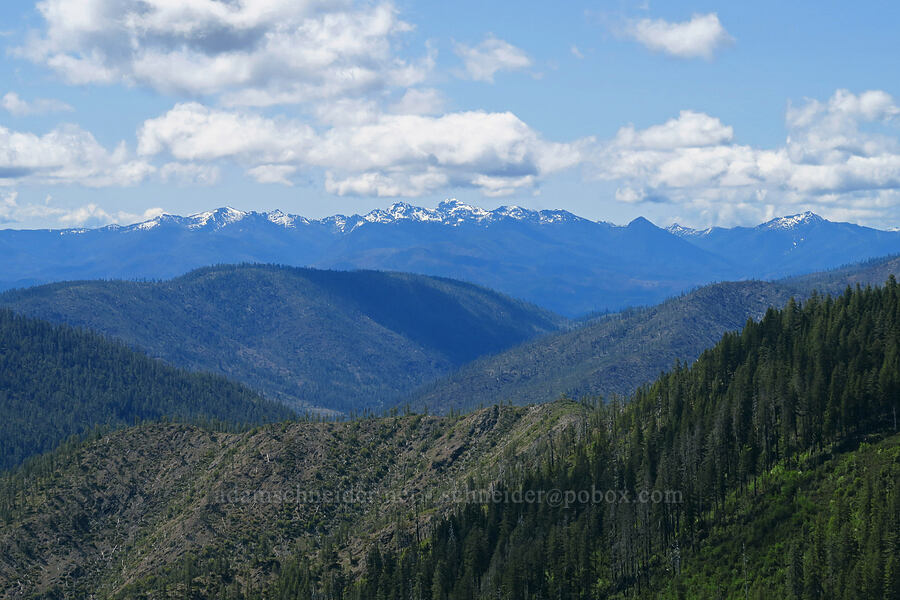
[{"x": 552, "y": 258}]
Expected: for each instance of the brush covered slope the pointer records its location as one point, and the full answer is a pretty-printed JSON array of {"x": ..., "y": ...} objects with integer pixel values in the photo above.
[
  {"x": 56, "y": 382},
  {"x": 174, "y": 511},
  {"x": 615, "y": 354},
  {"x": 768, "y": 469},
  {"x": 311, "y": 339}
]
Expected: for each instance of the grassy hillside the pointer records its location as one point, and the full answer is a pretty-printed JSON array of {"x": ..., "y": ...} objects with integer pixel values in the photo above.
[
  {"x": 615, "y": 354},
  {"x": 310, "y": 339},
  {"x": 159, "y": 506},
  {"x": 56, "y": 382}
]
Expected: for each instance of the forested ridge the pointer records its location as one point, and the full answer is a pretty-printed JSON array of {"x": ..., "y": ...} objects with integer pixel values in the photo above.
[
  {"x": 312, "y": 339},
  {"x": 57, "y": 381},
  {"x": 775, "y": 441}
]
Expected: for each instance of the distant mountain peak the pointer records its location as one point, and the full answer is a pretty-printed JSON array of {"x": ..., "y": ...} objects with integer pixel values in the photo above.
[
  {"x": 686, "y": 232},
  {"x": 453, "y": 209},
  {"x": 285, "y": 220},
  {"x": 218, "y": 218},
  {"x": 642, "y": 223},
  {"x": 793, "y": 221},
  {"x": 401, "y": 211}
]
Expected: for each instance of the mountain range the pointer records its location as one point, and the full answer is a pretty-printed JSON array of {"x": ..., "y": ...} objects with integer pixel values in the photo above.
[{"x": 552, "y": 258}]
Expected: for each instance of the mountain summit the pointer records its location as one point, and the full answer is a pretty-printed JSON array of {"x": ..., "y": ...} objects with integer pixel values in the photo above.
[{"x": 794, "y": 221}]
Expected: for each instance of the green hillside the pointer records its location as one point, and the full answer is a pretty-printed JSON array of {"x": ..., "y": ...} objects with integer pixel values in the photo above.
[
  {"x": 329, "y": 340},
  {"x": 56, "y": 382}
]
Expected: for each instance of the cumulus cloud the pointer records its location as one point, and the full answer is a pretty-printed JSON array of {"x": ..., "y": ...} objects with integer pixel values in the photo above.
[
  {"x": 189, "y": 173},
  {"x": 839, "y": 155},
  {"x": 273, "y": 174},
  {"x": 483, "y": 61},
  {"x": 700, "y": 37},
  {"x": 18, "y": 107},
  {"x": 251, "y": 52},
  {"x": 416, "y": 101},
  {"x": 68, "y": 154},
  {"x": 13, "y": 211},
  {"x": 93, "y": 215},
  {"x": 387, "y": 155},
  {"x": 192, "y": 132},
  {"x": 689, "y": 129}
]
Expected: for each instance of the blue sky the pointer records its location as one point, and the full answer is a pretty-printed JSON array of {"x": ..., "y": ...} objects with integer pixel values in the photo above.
[{"x": 697, "y": 112}]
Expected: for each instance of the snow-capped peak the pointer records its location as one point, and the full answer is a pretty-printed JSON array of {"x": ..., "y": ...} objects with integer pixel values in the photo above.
[
  {"x": 686, "y": 232},
  {"x": 402, "y": 211},
  {"x": 285, "y": 220},
  {"x": 219, "y": 217},
  {"x": 147, "y": 225},
  {"x": 454, "y": 210},
  {"x": 793, "y": 221}
]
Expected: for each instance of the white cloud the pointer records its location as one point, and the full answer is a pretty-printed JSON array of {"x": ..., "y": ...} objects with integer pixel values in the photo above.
[
  {"x": 386, "y": 155},
  {"x": 347, "y": 111},
  {"x": 193, "y": 132},
  {"x": 13, "y": 211},
  {"x": 93, "y": 215},
  {"x": 689, "y": 129},
  {"x": 252, "y": 52},
  {"x": 416, "y": 101},
  {"x": 838, "y": 155},
  {"x": 273, "y": 174},
  {"x": 483, "y": 61},
  {"x": 700, "y": 37},
  {"x": 68, "y": 154},
  {"x": 576, "y": 52},
  {"x": 18, "y": 107},
  {"x": 189, "y": 173}
]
